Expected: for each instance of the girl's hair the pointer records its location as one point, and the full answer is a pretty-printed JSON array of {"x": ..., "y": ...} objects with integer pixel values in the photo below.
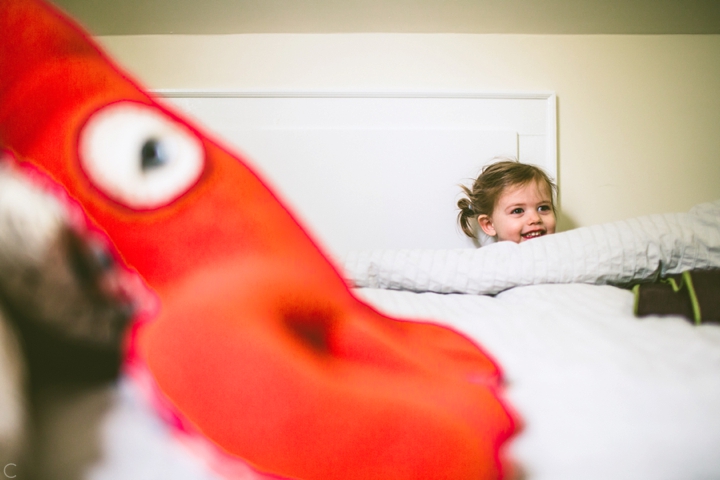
[{"x": 490, "y": 184}]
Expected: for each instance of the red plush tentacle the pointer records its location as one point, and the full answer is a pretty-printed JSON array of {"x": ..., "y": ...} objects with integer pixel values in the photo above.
[{"x": 258, "y": 344}]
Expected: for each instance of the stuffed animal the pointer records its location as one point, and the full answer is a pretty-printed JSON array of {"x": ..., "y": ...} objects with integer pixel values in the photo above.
[
  {"x": 253, "y": 341},
  {"x": 62, "y": 316}
]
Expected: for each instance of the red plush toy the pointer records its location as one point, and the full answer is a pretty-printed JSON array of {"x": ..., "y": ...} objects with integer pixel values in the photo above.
[{"x": 258, "y": 344}]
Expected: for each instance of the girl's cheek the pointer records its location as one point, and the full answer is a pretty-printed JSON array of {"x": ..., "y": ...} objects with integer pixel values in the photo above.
[{"x": 554, "y": 223}]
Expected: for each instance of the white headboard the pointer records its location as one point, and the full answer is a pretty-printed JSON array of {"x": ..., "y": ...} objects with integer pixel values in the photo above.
[{"x": 377, "y": 170}]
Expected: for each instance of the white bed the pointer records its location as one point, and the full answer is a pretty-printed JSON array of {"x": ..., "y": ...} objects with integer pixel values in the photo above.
[{"x": 601, "y": 394}]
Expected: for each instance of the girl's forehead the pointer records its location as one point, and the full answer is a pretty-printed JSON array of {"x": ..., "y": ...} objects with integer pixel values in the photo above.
[{"x": 534, "y": 189}]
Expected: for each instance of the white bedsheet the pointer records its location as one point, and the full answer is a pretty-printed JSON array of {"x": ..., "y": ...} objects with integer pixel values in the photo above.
[{"x": 602, "y": 394}]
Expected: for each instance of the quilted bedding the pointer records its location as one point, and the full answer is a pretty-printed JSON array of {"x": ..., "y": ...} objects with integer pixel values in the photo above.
[{"x": 618, "y": 253}]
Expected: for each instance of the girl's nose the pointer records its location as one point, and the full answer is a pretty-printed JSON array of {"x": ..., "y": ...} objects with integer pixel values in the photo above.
[{"x": 534, "y": 217}]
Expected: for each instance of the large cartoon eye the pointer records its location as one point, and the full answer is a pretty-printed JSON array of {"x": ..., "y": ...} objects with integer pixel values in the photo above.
[{"x": 138, "y": 156}]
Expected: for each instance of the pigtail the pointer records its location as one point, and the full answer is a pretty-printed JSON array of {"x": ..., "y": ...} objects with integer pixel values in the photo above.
[{"x": 466, "y": 215}]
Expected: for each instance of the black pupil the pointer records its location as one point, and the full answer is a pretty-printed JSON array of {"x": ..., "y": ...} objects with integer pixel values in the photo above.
[{"x": 152, "y": 155}]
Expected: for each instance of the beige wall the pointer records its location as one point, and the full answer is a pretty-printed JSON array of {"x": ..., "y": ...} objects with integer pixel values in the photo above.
[{"x": 639, "y": 116}]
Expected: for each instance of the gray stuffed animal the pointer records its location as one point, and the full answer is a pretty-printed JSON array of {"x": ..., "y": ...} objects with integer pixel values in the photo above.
[{"x": 62, "y": 314}]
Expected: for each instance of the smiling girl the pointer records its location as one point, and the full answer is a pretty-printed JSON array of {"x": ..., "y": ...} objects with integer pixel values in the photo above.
[{"x": 509, "y": 201}]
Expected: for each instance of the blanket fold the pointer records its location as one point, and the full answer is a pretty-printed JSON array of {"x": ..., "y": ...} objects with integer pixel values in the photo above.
[{"x": 620, "y": 253}]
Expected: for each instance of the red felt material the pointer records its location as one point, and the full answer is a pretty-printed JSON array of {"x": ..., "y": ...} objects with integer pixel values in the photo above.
[{"x": 258, "y": 344}]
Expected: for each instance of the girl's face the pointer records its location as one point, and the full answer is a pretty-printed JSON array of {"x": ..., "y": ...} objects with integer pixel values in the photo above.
[{"x": 522, "y": 212}]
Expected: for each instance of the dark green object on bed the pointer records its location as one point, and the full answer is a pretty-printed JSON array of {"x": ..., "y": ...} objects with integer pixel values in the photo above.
[{"x": 693, "y": 294}]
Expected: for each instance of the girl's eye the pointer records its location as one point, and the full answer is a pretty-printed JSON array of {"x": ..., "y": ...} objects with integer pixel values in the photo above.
[
  {"x": 544, "y": 208},
  {"x": 517, "y": 211},
  {"x": 139, "y": 157}
]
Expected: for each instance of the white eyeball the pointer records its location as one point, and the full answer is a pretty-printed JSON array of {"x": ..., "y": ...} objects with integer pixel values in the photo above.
[{"x": 138, "y": 156}]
